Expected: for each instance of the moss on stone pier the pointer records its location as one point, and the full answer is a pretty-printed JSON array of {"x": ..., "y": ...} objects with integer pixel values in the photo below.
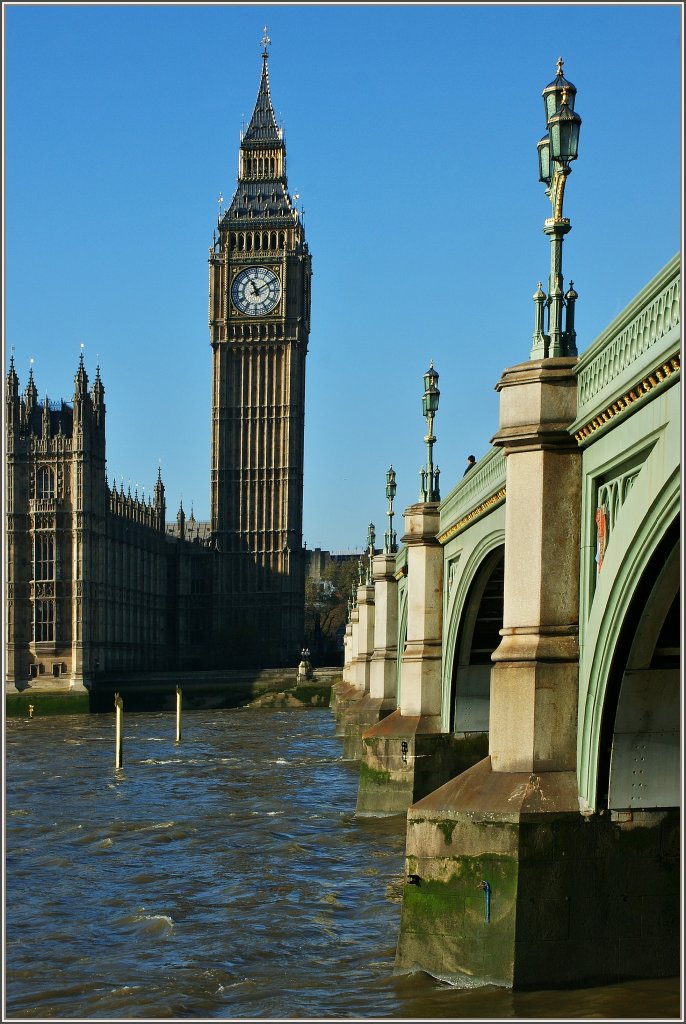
[{"x": 17, "y": 704}]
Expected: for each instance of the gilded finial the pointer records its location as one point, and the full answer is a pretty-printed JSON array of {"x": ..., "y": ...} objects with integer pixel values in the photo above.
[
  {"x": 266, "y": 41},
  {"x": 560, "y": 62},
  {"x": 565, "y": 97}
]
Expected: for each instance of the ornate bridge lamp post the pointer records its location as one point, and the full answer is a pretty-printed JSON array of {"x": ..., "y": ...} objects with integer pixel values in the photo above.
[
  {"x": 371, "y": 540},
  {"x": 390, "y": 545},
  {"x": 556, "y": 150},
  {"x": 429, "y": 490}
]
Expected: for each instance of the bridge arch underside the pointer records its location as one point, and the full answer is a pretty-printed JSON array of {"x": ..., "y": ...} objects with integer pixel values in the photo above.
[
  {"x": 639, "y": 756},
  {"x": 629, "y": 699},
  {"x": 474, "y": 581}
]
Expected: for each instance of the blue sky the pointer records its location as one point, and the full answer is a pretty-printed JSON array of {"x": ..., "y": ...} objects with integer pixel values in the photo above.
[{"x": 411, "y": 136}]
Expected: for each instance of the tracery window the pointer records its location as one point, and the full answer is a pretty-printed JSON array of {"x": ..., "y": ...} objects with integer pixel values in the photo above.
[
  {"x": 43, "y": 621},
  {"x": 44, "y": 557},
  {"x": 45, "y": 483}
]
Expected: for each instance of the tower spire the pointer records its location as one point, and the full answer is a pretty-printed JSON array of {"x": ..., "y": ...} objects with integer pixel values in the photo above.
[
  {"x": 263, "y": 127},
  {"x": 12, "y": 379}
]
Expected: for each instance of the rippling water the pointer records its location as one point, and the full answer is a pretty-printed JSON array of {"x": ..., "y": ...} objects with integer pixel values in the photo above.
[{"x": 222, "y": 877}]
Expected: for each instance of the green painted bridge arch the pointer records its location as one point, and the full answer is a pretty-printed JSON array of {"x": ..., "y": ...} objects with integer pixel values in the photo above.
[
  {"x": 629, "y": 428},
  {"x": 472, "y": 530}
]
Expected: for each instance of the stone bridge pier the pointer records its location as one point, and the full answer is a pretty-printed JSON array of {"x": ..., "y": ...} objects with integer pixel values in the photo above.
[
  {"x": 346, "y": 692},
  {"x": 357, "y": 710},
  {"x": 407, "y": 754},
  {"x": 510, "y": 880}
]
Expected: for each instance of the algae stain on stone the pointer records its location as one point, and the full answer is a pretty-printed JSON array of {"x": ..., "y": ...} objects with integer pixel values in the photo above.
[
  {"x": 373, "y": 776},
  {"x": 447, "y": 827}
]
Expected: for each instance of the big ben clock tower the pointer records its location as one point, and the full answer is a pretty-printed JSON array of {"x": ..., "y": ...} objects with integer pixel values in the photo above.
[{"x": 259, "y": 318}]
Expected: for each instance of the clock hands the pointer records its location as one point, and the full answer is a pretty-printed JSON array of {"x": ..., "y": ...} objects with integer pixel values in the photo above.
[{"x": 255, "y": 293}]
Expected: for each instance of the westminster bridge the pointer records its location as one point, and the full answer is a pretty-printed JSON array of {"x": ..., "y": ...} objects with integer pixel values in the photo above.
[{"x": 512, "y": 679}]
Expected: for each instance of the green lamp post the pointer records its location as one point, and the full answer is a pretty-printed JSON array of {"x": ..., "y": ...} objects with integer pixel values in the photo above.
[
  {"x": 556, "y": 150},
  {"x": 389, "y": 540},
  {"x": 428, "y": 490}
]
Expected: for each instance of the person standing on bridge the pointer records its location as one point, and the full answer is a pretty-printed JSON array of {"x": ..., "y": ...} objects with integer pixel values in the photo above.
[{"x": 471, "y": 463}]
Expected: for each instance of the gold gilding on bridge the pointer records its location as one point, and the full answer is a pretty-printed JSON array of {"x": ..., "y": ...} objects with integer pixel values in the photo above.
[
  {"x": 636, "y": 394},
  {"x": 485, "y": 506}
]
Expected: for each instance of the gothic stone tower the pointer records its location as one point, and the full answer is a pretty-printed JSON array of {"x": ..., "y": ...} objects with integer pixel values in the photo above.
[
  {"x": 55, "y": 507},
  {"x": 259, "y": 318}
]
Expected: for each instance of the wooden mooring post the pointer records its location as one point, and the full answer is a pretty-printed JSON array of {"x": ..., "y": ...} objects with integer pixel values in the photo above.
[{"x": 118, "y": 731}]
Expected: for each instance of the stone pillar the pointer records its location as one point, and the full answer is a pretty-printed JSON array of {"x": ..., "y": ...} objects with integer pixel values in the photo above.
[
  {"x": 379, "y": 697},
  {"x": 495, "y": 851},
  {"x": 346, "y": 692},
  {"x": 365, "y": 636},
  {"x": 354, "y": 623},
  {"x": 534, "y": 682},
  {"x": 381, "y": 666},
  {"x": 383, "y": 669},
  {"x": 405, "y": 755},
  {"x": 420, "y": 686},
  {"x": 363, "y": 712},
  {"x": 347, "y": 651}
]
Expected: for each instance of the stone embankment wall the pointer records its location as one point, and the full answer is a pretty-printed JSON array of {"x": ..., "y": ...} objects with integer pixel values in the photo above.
[{"x": 271, "y": 687}]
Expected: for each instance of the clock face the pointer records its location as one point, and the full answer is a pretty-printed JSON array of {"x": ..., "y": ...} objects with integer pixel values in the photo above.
[{"x": 255, "y": 291}]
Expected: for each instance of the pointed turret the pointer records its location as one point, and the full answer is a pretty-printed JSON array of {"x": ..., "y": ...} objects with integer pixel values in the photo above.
[
  {"x": 160, "y": 504},
  {"x": 80, "y": 380},
  {"x": 12, "y": 381},
  {"x": 159, "y": 488},
  {"x": 12, "y": 402},
  {"x": 82, "y": 404},
  {"x": 181, "y": 521},
  {"x": 46, "y": 417},
  {"x": 98, "y": 398},
  {"x": 30, "y": 394}
]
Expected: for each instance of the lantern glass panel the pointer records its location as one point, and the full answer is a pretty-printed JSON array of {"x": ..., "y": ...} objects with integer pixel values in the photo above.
[
  {"x": 544, "y": 159},
  {"x": 573, "y": 140},
  {"x": 551, "y": 103}
]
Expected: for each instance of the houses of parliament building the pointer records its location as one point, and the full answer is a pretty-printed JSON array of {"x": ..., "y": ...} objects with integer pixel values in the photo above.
[{"x": 97, "y": 581}]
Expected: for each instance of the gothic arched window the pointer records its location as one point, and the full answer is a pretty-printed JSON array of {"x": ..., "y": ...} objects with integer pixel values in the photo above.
[
  {"x": 43, "y": 621},
  {"x": 45, "y": 483},
  {"x": 44, "y": 557}
]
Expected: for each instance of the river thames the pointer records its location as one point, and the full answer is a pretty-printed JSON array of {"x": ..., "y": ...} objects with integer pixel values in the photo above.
[{"x": 221, "y": 877}]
